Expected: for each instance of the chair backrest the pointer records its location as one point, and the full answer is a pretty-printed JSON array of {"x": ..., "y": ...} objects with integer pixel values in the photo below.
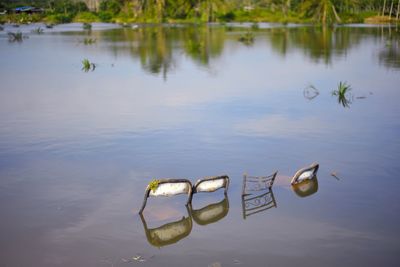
[
  {"x": 257, "y": 183},
  {"x": 168, "y": 187},
  {"x": 211, "y": 184},
  {"x": 305, "y": 173}
]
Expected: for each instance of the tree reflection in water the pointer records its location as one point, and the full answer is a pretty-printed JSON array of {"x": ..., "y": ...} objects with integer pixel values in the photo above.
[{"x": 158, "y": 48}]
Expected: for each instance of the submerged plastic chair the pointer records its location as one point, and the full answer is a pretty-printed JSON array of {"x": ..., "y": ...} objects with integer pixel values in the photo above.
[
  {"x": 305, "y": 173},
  {"x": 304, "y": 182},
  {"x": 210, "y": 184},
  {"x": 168, "y": 187}
]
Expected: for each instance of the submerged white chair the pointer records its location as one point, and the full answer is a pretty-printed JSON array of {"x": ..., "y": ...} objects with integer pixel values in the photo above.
[
  {"x": 167, "y": 187},
  {"x": 305, "y": 174},
  {"x": 210, "y": 184}
]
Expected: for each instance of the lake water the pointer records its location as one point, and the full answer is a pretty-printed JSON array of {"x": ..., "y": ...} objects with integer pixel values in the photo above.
[{"x": 77, "y": 149}]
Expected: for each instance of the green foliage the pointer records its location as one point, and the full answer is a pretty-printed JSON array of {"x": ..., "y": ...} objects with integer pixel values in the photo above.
[
  {"x": 247, "y": 38},
  {"x": 285, "y": 11},
  {"x": 86, "y": 17},
  {"x": 89, "y": 41},
  {"x": 38, "y": 30},
  {"x": 113, "y": 7},
  {"x": 105, "y": 16},
  {"x": 87, "y": 65},
  {"x": 153, "y": 185},
  {"x": 87, "y": 26},
  {"x": 255, "y": 26},
  {"x": 228, "y": 16},
  {"x": 343, "y": 94},
  {"x": 15, "y": 37},
  {"x": 59, "y": 18}
]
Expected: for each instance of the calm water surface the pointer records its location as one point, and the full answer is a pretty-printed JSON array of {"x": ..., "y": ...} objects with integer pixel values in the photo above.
[{"x": 77, "y": 149}]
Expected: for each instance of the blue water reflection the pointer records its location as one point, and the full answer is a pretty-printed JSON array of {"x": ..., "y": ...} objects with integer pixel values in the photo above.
[{"x": 78, "y": 149}]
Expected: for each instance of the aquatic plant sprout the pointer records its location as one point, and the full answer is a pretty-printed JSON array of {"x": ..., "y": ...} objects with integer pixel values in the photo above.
[
  {"x": 87, "y": 26},
  {"x": 343, "y": 94},
  {"x": 89, "y": 41},
  {"x": 247, "y": 38},
  {"x": 38, "y": 30},
  {"x": 87, "y": 65},
  {"x": 15, "y": 36}
]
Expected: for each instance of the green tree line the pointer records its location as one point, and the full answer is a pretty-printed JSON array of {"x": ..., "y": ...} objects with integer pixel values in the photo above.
[{"x": 321, "y": 11}]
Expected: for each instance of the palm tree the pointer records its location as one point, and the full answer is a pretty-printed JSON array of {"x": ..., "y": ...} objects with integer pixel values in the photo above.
[{"x": 323, "y": 11}]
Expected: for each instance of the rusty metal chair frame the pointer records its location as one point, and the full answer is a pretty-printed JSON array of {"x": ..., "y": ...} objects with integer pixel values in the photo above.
[
  {"x": 213, "y": 178},
  {"x": 267, "y": 181},
  {"x": 165, "y": 181},
  {"x": 313, "y": 167}
]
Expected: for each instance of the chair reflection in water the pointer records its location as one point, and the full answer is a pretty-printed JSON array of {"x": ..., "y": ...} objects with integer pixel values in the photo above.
[
  {"x": 168, "y": 233},
  {"x": 172, "y": 232},
  {"x": 304, "y": 182},
  {"x": 211, "y": 213},
  {"x": 257, "y": 195}
]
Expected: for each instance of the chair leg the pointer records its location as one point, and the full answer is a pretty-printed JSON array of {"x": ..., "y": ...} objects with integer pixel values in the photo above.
[{"x": 146, "y": 195}]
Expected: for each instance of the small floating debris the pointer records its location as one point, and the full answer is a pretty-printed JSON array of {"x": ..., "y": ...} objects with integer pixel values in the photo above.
[
  {"x": 49, "y": 26},
  {"x": 237, "y": 262},
  {"x": 215, "y": 264},
  {"x": 310, "y": 92},
  {"x": 334, "y": 174},
  {"x": 138, "y": 258}
]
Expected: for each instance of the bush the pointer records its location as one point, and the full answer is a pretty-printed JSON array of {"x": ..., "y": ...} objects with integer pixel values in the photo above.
[
  {"x": 58, "y": 18},
  {"x": 229, "y": 16},
  {"x": 105, "y": 16},
  {"x": 86, "y": 17}
]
